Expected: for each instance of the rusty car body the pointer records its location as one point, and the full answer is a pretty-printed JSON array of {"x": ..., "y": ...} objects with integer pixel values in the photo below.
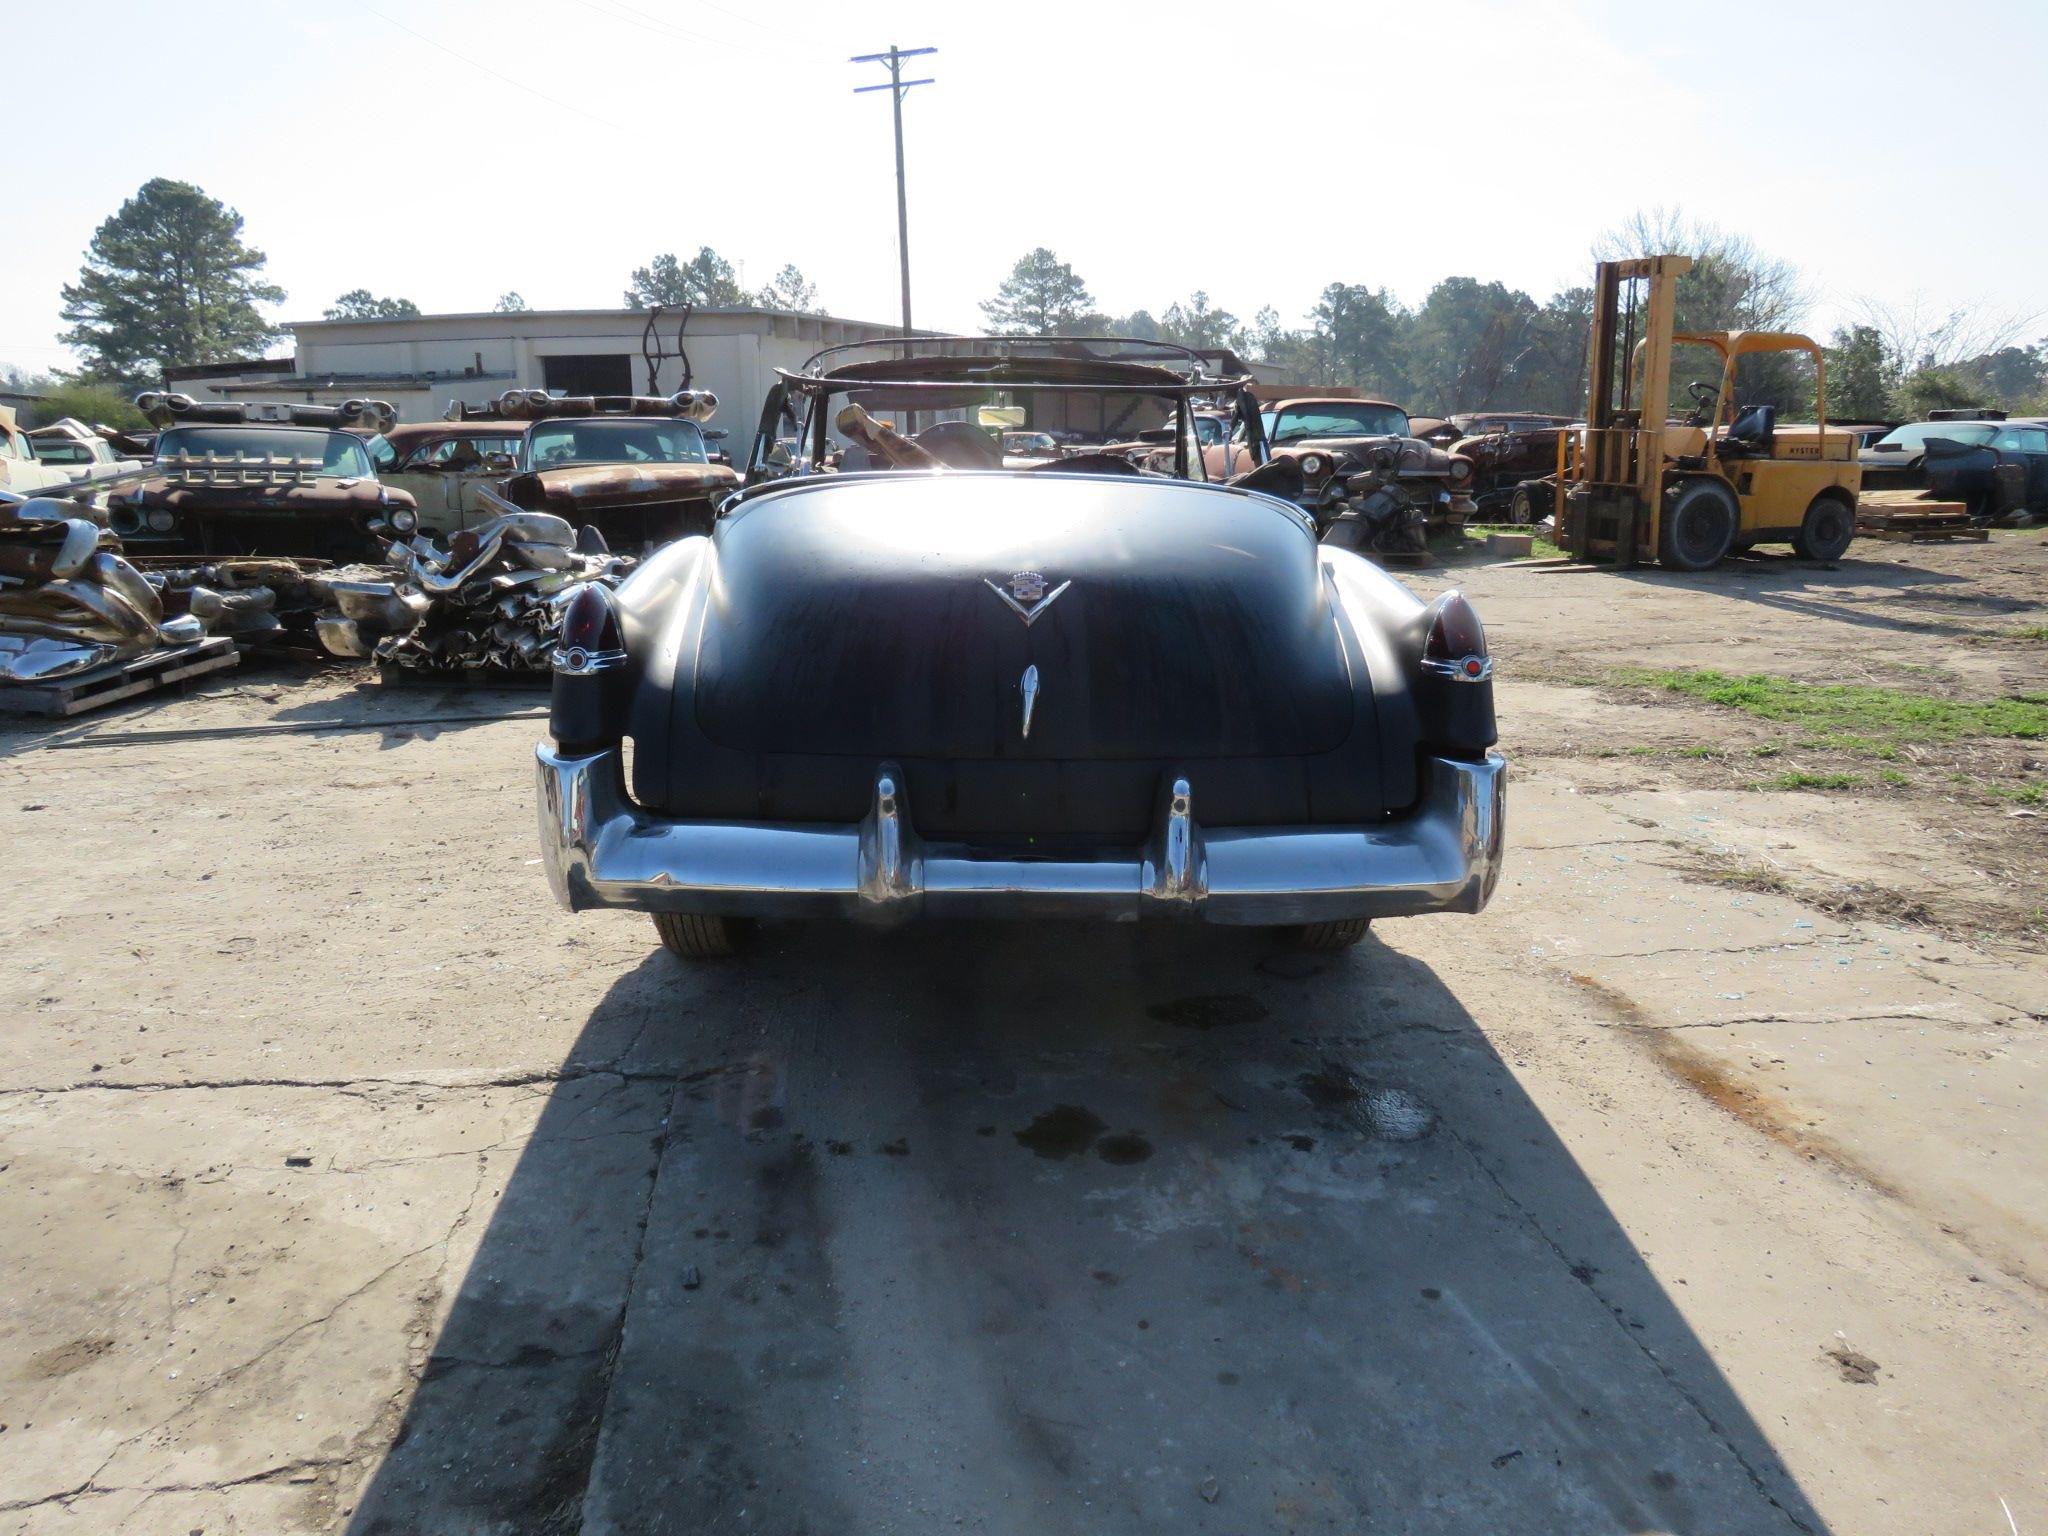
[
  {"x": 638, "y": 468},
  {"x": 255, "y": 479},
  {"x": 443, "y": 466},
  {"x": 1504, "y": 461},
  {"x": 1333, "y": 437}
]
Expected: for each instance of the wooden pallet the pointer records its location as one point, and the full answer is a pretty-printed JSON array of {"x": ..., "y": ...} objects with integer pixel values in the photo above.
[
  {"x": 120, "y": 680},
  {"x": 1915, "y": 522}
]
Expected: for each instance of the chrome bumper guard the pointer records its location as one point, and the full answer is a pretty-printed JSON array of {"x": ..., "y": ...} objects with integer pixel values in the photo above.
[{"x": 600, "y": 850}]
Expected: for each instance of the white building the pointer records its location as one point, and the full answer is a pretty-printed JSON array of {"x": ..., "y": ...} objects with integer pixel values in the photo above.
[{"x": 422, "y": 363}]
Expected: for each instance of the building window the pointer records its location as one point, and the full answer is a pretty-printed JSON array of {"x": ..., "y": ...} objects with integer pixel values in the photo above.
[{"x": 608, "y": 373}]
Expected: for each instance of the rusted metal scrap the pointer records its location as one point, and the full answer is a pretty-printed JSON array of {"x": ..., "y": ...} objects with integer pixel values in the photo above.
[
  {"x": 68, "y": 601},
  {"x": 491, "y": 597}
]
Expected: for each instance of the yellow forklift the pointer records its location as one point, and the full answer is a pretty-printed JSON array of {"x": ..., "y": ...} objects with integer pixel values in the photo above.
[{"x": 1635, "y": 486}]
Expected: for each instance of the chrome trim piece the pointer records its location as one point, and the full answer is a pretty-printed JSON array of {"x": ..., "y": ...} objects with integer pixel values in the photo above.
[
  {"x": 339, "y": 636},
  {"x": 1028, "y": 687},
  {"x": 1028, "y": 615},
  {"x": 886, "y": 874},
  {"x": 1173, "y": 869},
  {"x": 574, "y": 661},
  {"x": 1455, "y": 670},
  {"x": 600, "y": 850}
]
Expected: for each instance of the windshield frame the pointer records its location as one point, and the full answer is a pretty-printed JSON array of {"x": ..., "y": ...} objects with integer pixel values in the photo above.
[
  {"x": 173, "y": 440},
  {"x": 1271, "y": 419},
  {"x": 801, "y": 408},
  {"x": 566, "y": 426}
]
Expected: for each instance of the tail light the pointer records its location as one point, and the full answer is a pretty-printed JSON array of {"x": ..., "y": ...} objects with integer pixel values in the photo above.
[
  {"x": 1456, "y": 644},
  {"x": 591, "y": 640},
  {"x": 593, "y": 686}
]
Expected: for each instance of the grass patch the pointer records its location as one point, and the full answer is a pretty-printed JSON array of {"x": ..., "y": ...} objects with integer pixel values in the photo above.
[
  {"x": 2031, "y": 632},
  {"x": 2025, "y": 794},
  {"x": 1892, "y": 776},
  {"x": 1799, "y": 779},
  {"x": 1539, "y": 549},
  {"x": 1873, "y": 719}
]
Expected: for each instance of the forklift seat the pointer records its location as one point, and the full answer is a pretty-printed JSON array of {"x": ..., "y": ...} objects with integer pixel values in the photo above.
[{"x": 1754, "y": 426}]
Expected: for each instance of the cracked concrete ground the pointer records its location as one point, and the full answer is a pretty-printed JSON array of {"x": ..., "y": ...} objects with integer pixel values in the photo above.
[{"x": 350, "y": 1187}]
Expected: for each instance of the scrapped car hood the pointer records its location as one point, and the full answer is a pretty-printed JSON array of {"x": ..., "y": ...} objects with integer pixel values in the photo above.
[
  {"x": 307, "y": 498},
  {"x": 573, "y": 488},
  {"x": 1416, "y": 456},
  {"x": 880, "y": 617}
]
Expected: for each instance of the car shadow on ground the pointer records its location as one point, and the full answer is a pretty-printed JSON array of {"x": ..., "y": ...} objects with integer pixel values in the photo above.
[{"x": 1036, "y": 1228}]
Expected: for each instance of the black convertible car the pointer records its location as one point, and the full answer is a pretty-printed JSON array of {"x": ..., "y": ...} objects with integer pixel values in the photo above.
[{"x": 898, "y": 678}]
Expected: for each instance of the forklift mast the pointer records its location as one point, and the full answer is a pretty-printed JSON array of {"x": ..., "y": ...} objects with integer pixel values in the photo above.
[{"x": 1611, "y": 481}]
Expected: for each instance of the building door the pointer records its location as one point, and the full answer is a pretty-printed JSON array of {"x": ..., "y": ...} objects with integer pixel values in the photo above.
[{"x": 607, "y": 373}]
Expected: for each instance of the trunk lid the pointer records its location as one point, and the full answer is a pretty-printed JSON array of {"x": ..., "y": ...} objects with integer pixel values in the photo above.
[{"x": 880, "y": 617}]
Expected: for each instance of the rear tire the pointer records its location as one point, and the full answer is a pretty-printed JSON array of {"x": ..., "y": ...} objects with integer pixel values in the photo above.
[
  {"x": 1826, "y": 530},
  {"x": 1699, "y": 523},
  {"x": 698, "y": 935},
  {"x": 1325, "y": 936}
]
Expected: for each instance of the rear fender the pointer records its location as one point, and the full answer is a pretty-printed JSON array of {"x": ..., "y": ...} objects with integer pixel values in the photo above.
[{"x": 1383, "y": 625}]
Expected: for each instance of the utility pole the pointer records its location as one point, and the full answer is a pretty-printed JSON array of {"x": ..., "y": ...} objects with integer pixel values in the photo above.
[{"x": 896, "y": 87}]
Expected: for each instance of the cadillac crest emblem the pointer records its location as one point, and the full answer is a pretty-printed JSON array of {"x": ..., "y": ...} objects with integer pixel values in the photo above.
[{"x": 1026, "y": 595}]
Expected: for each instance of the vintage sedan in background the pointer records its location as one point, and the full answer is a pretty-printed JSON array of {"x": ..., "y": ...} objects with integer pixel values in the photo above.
[
  {"x": 1079, "y": 689},
  {"x": 444, "y": 466},
  {"x": 637, "y": 468},
  {"x": 1332, "y": 438},
  {"x": 262, "y": 479},
  {"x": 1992, "y": 467}
]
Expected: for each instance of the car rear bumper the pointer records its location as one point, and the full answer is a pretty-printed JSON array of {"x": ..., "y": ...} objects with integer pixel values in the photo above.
[{"x": 600, "y": 850}]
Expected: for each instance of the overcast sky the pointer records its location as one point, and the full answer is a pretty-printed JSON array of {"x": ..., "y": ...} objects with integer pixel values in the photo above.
[{"x": 448, "y": 150}]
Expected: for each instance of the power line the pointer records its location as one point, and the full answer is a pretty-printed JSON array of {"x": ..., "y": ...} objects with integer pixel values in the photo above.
[
  {"x": 507, "y": 79},
  {"x": 655, "y": 27},
  {"x": 709, "y": 6},
  {"x": 896, "y": 88}
]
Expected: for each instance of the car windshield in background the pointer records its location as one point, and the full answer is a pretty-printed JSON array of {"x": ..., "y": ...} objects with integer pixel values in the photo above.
[
  {"x": 63, "y": 452},
  {"x": 1335, "y": 419},
  {"x": 645, "y": 441},
  {"x": 1917, "y": 433},
  {"x": 332, "y": 455}
]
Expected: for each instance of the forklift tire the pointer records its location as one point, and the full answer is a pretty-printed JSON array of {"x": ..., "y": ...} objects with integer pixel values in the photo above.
[
  {"x": 1824, "y": 533},
  {"x": 700, "y": 936},
  {"x": 1700, "y": 519}
]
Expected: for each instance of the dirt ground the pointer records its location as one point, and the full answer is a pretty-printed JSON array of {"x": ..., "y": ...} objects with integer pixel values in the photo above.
[{"x": 1700, "y": 1185}]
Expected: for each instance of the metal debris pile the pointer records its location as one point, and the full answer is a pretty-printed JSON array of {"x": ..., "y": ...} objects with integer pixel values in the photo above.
[
  {"x": 69, "y": 602},
  {"x": 492, "y": 598},
  {"x": 257, "y": 599}
]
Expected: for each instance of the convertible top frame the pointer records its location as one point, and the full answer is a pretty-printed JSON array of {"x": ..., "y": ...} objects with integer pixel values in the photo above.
[{"x": 1062, "y": 365}]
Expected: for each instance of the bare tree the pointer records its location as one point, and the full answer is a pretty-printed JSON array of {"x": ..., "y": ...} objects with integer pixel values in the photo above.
[
  {"x": 1917, "y": 335},
  {"x": 1733, "y": 284}
]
